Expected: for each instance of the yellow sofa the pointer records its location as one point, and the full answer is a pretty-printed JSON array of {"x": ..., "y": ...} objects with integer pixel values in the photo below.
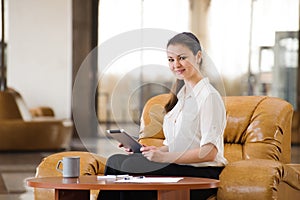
[
  {"x": 30, "y": 129},
  {"x": 257, "y": 142}
]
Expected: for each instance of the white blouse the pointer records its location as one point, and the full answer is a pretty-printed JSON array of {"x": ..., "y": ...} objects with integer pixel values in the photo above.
[{"x": 198, "y": 118}]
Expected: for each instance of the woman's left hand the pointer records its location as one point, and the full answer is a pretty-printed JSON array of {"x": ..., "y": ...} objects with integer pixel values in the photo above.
[{"x": 155, "y": 155}]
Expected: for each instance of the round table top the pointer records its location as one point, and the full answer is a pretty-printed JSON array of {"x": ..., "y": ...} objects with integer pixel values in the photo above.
[{"x": 92, "y": 183}]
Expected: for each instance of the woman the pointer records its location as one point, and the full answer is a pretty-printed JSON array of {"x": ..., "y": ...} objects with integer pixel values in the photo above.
[{"x": 193, "y": 126}]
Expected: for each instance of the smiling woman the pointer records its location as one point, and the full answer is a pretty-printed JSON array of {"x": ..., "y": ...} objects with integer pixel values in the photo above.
[{"x": 193, "y": 126}]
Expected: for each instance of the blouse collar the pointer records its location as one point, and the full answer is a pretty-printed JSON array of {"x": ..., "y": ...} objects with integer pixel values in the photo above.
[{"x": 196, "y": 89}]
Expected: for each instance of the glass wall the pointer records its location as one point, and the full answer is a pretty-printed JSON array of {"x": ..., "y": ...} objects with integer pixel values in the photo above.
[{"x": 137, "y": 73}]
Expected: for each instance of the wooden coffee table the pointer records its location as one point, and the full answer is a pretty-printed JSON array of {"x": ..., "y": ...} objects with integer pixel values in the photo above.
[{"x": 79, "y": 188}]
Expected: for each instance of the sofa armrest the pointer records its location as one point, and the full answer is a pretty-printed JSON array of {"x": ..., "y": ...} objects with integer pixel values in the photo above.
[
  {"x": 90, "y": 164},
  {"x": 295, "y": 167},
  {"x": 258, "y": 179}
]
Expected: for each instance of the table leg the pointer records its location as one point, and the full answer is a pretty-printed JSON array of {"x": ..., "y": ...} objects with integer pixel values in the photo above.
[
  {"x": 173, "y": 194},
  {"x": 61, "y": 194}
]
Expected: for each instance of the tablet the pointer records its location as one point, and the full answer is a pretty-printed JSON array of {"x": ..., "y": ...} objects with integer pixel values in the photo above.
[{"x": 125, "y": 139}]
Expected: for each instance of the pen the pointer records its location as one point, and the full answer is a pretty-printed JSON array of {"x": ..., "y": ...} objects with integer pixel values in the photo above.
[{"x": 131, "y": 177}]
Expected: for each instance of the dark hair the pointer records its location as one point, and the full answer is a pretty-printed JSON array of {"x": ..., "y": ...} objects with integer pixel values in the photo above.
[
  {"x": 187, "y": 39},
  {"x": 190, "y": 41}
]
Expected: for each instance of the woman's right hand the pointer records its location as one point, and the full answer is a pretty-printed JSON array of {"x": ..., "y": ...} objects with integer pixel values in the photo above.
[{"x": 128, "y": 150}]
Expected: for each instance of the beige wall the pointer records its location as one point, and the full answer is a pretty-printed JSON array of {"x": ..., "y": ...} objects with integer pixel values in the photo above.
[{"x": 39, "y": 52}]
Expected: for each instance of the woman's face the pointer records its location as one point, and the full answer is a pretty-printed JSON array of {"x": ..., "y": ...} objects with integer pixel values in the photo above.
[{"x": 183, "y": 63}]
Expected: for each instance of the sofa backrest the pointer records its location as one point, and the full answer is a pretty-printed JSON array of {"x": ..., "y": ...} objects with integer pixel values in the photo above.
[
  {"x": 8, "y": 106},
  {"x": 12, "y": 106},
  {"x": 257, "y": 127}
]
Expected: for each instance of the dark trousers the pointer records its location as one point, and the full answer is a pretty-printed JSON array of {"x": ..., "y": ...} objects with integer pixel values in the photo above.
[{"x": 136, "y": 164}]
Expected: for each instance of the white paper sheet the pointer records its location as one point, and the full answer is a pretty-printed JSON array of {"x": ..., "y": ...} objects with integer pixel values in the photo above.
[{"x": 150, "y": 180}]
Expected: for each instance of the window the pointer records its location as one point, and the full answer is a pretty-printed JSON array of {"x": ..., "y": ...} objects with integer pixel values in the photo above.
[{"x": 137, "y": 74}]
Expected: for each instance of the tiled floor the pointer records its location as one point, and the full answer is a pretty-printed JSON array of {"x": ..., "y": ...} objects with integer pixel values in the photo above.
[{"x": 16, "y": 167}]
